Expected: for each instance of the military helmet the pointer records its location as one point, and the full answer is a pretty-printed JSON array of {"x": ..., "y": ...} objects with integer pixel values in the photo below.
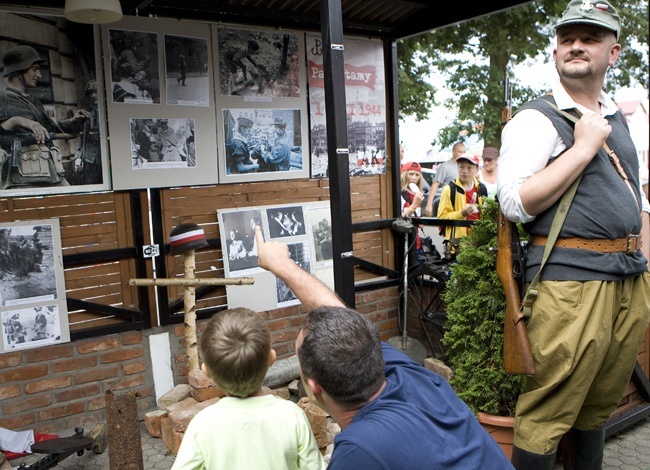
[
  {"x": 18, "y": 58},
  {"x": 91, "y": 87}
]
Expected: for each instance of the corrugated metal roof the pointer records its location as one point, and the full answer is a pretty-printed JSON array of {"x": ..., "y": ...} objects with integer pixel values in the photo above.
[{"x": 392, "y": 19}]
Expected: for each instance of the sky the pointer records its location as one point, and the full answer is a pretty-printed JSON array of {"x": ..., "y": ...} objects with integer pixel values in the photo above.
[{"x": 417, "y": 136}]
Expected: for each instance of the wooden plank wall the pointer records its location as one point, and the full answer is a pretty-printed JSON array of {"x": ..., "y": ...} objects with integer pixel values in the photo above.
[
  {"x": 200, "y": 205},
  {"x": 89, "y": 222}
]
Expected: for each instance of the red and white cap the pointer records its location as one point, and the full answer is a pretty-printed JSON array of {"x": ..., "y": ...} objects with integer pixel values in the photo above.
[{"x": 470, "y": 157}]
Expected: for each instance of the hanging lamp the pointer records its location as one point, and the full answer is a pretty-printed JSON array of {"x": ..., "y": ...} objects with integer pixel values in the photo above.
[{"x": 93, "y": 11}]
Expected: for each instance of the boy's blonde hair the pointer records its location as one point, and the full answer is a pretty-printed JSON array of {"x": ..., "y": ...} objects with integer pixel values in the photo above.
[{"x": 235, "y": 347}]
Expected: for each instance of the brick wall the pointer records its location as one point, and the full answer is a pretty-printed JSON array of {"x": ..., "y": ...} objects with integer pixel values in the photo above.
[
  {"x": 60, "y": 387},
  {"x": 57, "y": 388}
]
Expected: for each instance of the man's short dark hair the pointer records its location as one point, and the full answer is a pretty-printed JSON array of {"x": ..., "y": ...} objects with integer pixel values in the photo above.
[{"x": 341, "y": 350}]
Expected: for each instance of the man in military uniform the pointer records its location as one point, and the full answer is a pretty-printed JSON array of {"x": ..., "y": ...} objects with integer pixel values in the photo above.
[
  {"x": 88, "y": 157},
  {"x": 278, "y": 158},
  {"x": 30, "y": 157},
  {"x": 238, "y": 152}
]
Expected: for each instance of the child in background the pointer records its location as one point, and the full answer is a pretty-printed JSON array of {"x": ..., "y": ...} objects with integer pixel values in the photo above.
[
  {"x": 412, "y": 200},
  {"x": 246, "y": 429},
  {"x": 461, "y": 199}
]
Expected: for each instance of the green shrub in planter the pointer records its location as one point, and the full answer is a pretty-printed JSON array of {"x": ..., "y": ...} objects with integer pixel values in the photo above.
[{"x": 474, "y": 328}]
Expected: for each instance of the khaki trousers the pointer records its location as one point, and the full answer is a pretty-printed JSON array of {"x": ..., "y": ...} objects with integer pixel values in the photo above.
[{"x": 585, "y": 338}]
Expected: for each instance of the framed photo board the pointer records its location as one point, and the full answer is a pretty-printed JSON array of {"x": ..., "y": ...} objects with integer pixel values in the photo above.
[
  {"x": 32, "y": 290},
  {"x": 300, "y": 226},
  {"x": 162, "y": 121}
]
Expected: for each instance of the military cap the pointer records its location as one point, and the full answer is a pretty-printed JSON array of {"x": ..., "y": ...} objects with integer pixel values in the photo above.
[
  {"x": 599, "y": 13},
  {"x": 280, "y": 122},
  {"x": 244, "y": 122}
]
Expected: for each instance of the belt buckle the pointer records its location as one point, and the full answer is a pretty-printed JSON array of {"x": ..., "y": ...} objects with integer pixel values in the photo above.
[{"x": 628, "y": 244}]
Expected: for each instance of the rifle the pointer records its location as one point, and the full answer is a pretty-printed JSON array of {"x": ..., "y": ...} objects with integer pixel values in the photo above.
[{"x": 517, "y": 355}]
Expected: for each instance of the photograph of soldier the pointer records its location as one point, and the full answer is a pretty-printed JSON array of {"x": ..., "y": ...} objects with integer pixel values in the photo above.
[
  {"x": 134, "y": 67},
  {"x": 30, "y": 156},
  {"x": 162, "y": 143},
  {"x": 26, "y": 264},
  {"x": 41, "y": 122},
  {"x": 277, "y": 151},
  {"x": 240, "y": 157},
  {"x": 258, "y": 63},
  {"x": 88, "y": 157},
  {"x": 186, "y": 69},
  {"x": 262, "y": 140}
]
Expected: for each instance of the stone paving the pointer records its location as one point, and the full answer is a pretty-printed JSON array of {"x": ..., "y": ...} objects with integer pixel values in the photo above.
[{"x": 629, "y": 450}]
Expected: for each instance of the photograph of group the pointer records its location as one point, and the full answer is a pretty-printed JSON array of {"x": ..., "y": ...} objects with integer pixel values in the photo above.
[
  {"x": 303, "y": 227},
  {"x": 262, "y": 141},
  {"x": 32, "y": 288},
  {"x": 163, "y": 143}
]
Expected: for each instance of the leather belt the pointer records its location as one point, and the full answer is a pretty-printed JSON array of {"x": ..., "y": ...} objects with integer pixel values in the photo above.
[{"x": 627, "y": 245}]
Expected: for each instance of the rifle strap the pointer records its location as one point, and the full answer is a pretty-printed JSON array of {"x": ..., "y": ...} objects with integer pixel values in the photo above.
[
  {"x": 556, "y": 225},
  {"x": 613, "y": 158}
]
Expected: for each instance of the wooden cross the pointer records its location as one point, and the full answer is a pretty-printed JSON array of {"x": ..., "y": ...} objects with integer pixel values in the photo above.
[{"x": 189, "y": 300}]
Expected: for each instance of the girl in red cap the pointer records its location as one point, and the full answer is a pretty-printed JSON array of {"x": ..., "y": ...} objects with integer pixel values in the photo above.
[{"x": 412, "y": 195}]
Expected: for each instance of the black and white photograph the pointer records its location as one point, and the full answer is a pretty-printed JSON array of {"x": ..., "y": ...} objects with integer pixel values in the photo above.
[
  {"x": 320, "y": 226},
  {"x": 299, "y": 253},
  {"x": 262, "y": 141},
  {"x": 27, "y": 268},
  {"x": 259, "y": 63},
  {"x": 31, "y": 327},
  {"x": 52, "y": 82},
  {"x": 187, "y": 69},
  {"x": 162, "y": 143},
  {"x": 135, "y": 77},
  {"x": 240, "y": 247},
  {"x": 285, "y": 221}
]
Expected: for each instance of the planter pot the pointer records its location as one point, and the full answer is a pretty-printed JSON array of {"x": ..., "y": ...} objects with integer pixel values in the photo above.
[{"x": 501, "y": 428}]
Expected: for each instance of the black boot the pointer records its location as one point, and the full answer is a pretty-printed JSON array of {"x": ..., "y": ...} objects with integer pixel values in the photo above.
[
  {"x": 524, "y": 460},
  {"x": 587, "y": 448}
]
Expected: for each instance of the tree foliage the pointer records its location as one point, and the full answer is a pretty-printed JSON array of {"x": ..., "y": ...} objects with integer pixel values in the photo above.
[{"x": 474, "y": 57}]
